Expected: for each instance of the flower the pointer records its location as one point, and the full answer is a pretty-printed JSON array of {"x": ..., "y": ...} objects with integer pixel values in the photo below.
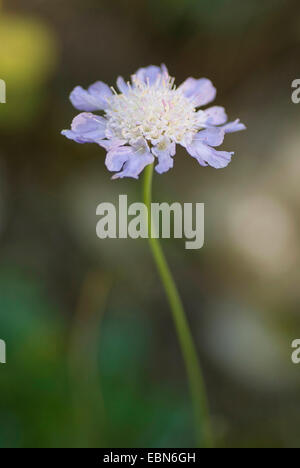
[{"x": 147, "y": 118}]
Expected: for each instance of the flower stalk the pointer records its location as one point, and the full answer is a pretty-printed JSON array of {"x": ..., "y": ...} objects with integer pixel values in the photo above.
[{"x": 194, "y": 373}]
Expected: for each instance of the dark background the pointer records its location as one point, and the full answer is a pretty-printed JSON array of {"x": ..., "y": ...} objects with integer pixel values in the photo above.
[{"x": 92, "y": 356}]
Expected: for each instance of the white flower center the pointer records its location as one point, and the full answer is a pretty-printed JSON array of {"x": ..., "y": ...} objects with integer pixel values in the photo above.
[{"x": 152, "y": 112}]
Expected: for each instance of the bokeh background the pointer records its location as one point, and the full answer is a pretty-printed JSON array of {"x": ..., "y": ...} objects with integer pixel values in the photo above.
[{"x": 92, "y": 356}]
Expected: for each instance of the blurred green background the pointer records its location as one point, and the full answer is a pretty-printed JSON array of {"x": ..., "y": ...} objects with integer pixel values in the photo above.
[{"x": 92, "y": 356}]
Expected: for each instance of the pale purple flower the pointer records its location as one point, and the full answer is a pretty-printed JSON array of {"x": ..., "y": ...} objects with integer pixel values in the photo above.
[{"x": 147, "y": 118}]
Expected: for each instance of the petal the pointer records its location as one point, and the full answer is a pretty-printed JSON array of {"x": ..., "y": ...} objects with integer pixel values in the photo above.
[
  {"x": 95, "y": 98},
  {"x": 100, "y": 90},
  {"x": 219, "y": 159},
  {"x": 201, "y": 117},
  {"x": 116, "y": 158},
  {"x": 140, "y": 145},
  {"x": 216, "y": 115},
  {"x": 87, "y": 128},
  {"x": 111, "y": 144},
  {"x": 150, "y": 74},
  {"x": 207, "y": 155},
  {"x": 123, "y": 87},
  {"x": 91, "y": 126},
  {"x": 82, "y": 100},
  {"x": 72, "y": 136},
  {"x": 139, "y": 157},
  {"x": 201, "y": 91},
  {"x": 235, "y": 126},
  {"x": 164, "y": 151},
  {"x": 135, "y": 165},
  {"x": 213, "y": 136}
]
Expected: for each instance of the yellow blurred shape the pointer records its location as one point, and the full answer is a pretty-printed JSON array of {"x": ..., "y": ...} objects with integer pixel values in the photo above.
[
  {"x": 28, "y": 56},
  {"x": 28, "y": 51}
]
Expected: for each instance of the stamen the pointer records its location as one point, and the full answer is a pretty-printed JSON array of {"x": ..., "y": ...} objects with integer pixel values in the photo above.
[{"x": 151, "y": 111}]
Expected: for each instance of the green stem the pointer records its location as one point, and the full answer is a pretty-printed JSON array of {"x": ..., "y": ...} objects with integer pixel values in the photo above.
[{"x": 196, "y": 383}]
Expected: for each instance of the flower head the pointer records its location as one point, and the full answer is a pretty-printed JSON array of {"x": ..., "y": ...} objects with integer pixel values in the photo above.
[{"x": 147, "y": 118}]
